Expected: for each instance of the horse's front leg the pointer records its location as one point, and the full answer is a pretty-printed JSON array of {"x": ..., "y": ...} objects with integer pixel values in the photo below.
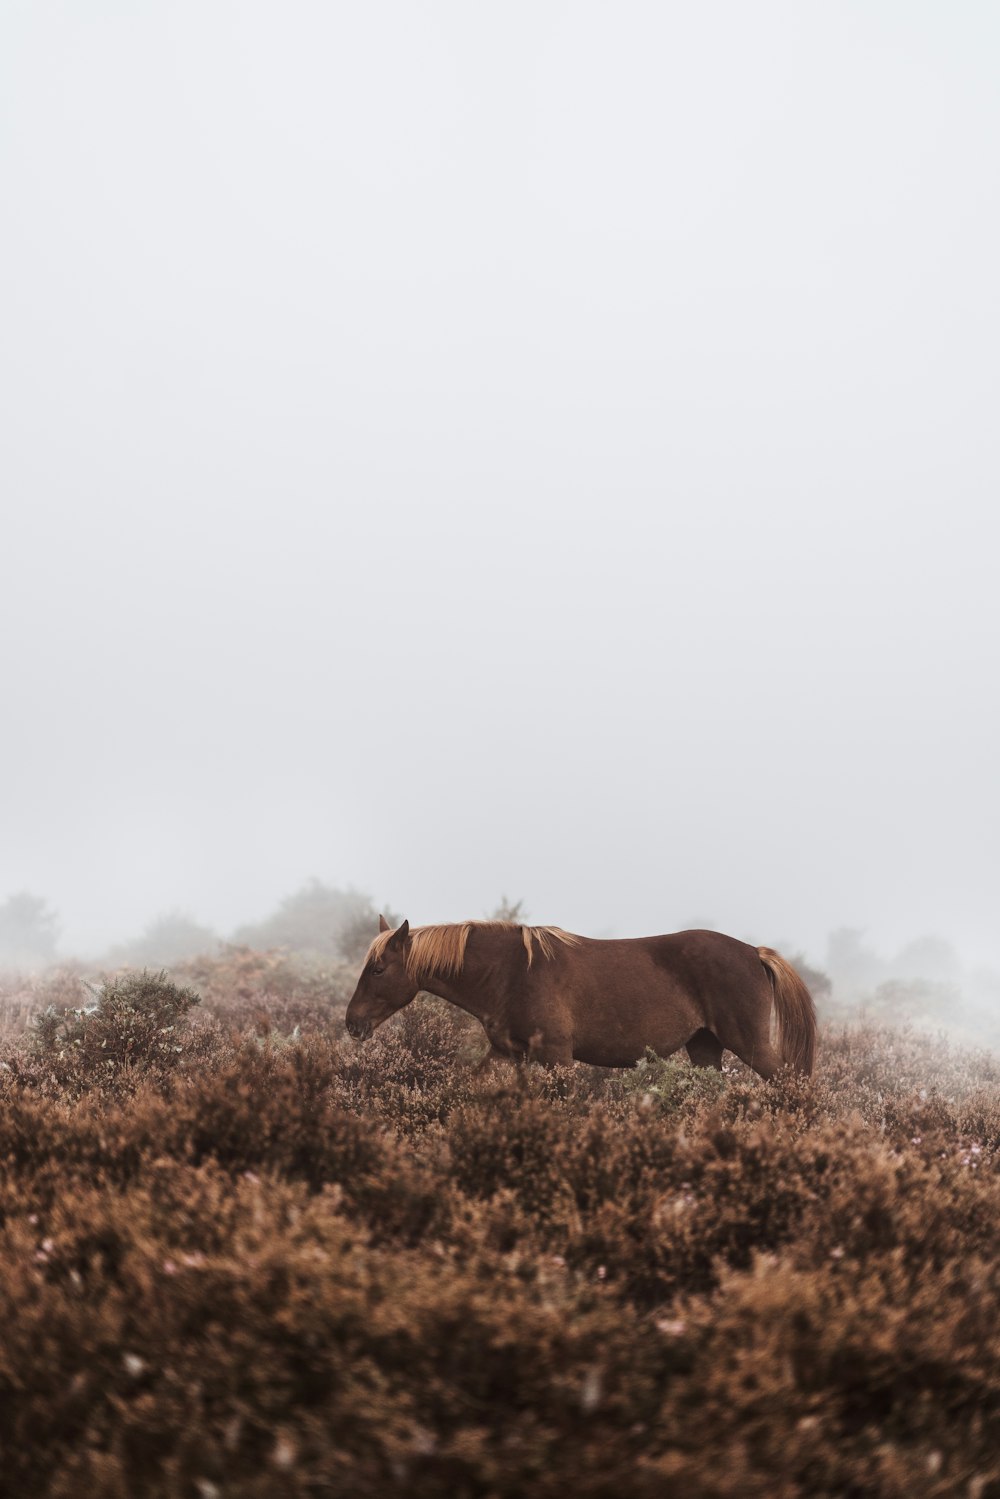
[
  {"x": 487, "y": 1063},
  {"x": 530, "y": 1038},
  {"x": 503, "y": 1046},
  {"x": 550, "y": 1047}
]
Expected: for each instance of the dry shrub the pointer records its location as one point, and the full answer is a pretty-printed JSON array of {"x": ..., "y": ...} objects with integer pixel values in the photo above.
[
  {"x": 275, "y": 991},
  {"x": 294, "y": 1266},
  {"x": 24, "y": 996}
]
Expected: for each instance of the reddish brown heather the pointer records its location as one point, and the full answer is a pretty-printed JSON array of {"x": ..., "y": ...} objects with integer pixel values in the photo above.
[
  {"x": 601, "y": 1002},
  {"x": 266, "y": 1266}
]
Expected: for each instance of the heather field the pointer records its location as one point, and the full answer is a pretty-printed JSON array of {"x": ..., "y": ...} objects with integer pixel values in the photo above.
[{"x": 244, "y": 1256}]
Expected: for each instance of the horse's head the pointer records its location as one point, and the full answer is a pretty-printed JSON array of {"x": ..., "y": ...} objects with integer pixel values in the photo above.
[{"x": 385, "y": 986}]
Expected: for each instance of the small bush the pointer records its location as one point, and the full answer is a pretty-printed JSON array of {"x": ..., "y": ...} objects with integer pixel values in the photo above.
[
  {"x": 135, "y": 1026},
  {"x": 670, "y": 1082}
]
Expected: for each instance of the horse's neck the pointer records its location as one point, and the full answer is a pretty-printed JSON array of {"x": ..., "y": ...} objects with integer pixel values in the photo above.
[{"x": 482, "y": 983}]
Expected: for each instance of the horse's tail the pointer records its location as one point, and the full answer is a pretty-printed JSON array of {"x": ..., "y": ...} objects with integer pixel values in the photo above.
[{"x": 794, "y": 1013}]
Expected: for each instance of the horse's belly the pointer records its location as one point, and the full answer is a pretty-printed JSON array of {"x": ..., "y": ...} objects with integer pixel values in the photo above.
[
  {"x": 608, "y": 1055},
  {"x": 617, "y": 1035}
]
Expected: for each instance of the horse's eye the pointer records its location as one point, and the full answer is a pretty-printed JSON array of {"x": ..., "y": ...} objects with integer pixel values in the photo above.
[{"x": 378, "y": 968}]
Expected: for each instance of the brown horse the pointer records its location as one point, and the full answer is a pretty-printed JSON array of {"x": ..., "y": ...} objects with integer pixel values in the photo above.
[{"x": 541, "y": 992}]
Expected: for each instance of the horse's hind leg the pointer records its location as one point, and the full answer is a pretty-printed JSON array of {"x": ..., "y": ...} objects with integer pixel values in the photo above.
[
  {"x": 744, "y": 1027},
  {"x": 760, "y": 1055},
  {"x": 705, "y": 1050}
]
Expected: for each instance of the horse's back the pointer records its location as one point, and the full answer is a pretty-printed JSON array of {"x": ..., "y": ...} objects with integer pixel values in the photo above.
[{"x": 696, "y": 960}]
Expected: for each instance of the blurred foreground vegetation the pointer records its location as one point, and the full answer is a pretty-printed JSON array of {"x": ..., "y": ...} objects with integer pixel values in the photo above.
[{"x": 245, "y": 1257}]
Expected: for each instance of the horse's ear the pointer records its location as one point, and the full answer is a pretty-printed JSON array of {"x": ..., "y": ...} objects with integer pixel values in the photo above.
[
  {"x": 383, "y": 925},
  {"x": 400, "y": 935}
]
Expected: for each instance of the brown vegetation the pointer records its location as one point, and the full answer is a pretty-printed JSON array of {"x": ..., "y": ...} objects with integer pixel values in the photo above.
[{"x": 243, "y": 1256}]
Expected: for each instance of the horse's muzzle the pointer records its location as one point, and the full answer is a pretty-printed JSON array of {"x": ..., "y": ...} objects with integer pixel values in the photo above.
[{"x": 359, "y": 1029}]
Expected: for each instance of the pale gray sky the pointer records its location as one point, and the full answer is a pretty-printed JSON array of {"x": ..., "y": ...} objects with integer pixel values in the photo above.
[{"x": 543, "y": 448}]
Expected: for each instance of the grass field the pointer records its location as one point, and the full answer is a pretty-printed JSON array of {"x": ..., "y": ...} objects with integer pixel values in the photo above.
[{"x": 243, "y": 1256}]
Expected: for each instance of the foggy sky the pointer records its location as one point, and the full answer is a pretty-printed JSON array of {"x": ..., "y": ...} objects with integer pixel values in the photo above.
[{"x": 543, "y": 448}]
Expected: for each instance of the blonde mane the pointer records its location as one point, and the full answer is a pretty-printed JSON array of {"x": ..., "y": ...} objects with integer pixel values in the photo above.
[{"x": 441, "y": 949}]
